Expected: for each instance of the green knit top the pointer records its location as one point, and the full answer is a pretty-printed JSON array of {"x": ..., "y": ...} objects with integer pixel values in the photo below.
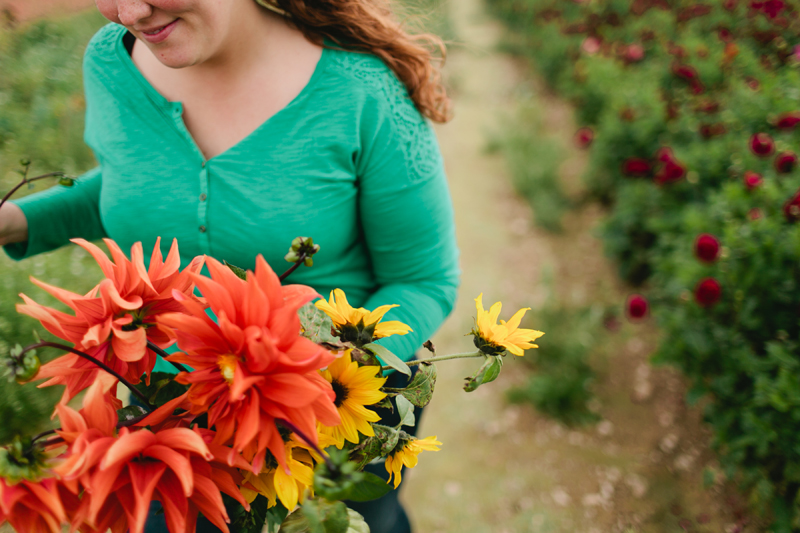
[{"x": 349, "y": 162}]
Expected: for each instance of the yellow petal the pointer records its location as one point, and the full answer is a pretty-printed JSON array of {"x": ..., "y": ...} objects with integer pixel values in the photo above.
[{"x": 378, "y": 313}]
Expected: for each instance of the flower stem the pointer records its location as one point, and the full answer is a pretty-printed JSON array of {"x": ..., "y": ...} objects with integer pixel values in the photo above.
[
  {"x": 26, "y": 180},
  {"x": 468, "y": 355},
  {"x": 300, "y": 260},
  {"x": 164, "y": 354},
  {"x": 136, "y": 392}
]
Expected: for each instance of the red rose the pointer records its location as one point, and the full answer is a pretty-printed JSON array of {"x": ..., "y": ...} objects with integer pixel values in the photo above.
[
  {"x": 785, "y": 162},
  {"x": 633, "y": 53},
  {"x": 636, "y": 166},
  {"x": 664, "y": 154},
  {"x": 752, "y": 180},
  {"x": 584, "y": 137},
  {"x": 787, "y": 121},
  {"x": 724, "y": 34},
  {"x": 685, "y": 72},
  {"x": 708, "y": 292},
  {"x": 791, "y": 209},
  {"x": 706, "y": 247},
  {"x": 755, "y": 214},
  {"x": 636, "y": 307},
  {"x": 672, "y": 171},
  {"x": 762, "y": 144}
]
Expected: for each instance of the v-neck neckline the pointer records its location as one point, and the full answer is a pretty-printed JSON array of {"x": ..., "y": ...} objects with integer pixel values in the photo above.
[{"x": 173, "y": 111}]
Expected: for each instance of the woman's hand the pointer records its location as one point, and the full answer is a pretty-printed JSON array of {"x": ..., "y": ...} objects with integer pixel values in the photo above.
[{"x": 13, "y": 225}]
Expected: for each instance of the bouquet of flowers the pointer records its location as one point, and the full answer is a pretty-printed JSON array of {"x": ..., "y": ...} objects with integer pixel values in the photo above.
[{"x": 269, "y": 420}]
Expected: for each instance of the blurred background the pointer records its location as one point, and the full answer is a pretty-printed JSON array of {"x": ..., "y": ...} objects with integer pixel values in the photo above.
[{"x": 627, "y": 169}]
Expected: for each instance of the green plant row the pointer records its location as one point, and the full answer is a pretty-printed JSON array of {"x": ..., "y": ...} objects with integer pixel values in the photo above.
[{"x": 691, "y": 113}]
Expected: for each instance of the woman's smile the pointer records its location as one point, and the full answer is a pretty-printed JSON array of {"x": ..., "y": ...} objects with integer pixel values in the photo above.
[{"x": 158, "y": 34}]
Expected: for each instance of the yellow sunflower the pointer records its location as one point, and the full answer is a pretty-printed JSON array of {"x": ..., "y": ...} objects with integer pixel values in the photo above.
[
  {"x": 355, "y": 388},
  {"x": 358, "y": 325},
  {"x": 275, "y": 484},
  {"x": 493, "y": 338},
  {"x": 407, "y": 456}
]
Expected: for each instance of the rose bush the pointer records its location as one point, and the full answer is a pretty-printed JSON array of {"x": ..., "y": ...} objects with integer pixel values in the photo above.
[{"x": 694, "y": 109}]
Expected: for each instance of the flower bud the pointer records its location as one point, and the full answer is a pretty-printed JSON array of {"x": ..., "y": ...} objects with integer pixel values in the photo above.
[
  {"x": 706, "y": 248},
  {"x": 584, "y": 137},
  {"x": 708, "y": 292},
  {"x": 636, "y": 167},
  {"x": 788, "y": 121}
]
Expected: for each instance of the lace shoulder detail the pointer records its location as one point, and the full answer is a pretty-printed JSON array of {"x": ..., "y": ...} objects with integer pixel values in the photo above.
[
  {"x": 417, "y": 138},
  {"x": 105, "y": 40}
]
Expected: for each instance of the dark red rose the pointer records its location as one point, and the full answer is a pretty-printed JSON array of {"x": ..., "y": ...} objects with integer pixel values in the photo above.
[
  {"x": 685, "y": 72},
  {"x": 791, "y": 209},
  {"x": 785, "y": 162},
  {"x": 697, "y": 87},
  {"x": 762, "y": 144},
  {"x": 708, "y": 292},
  {"x": 670, "y": 172},
  {"x": 770, "y": 8},
  {"x": 724, "y": 34},
  {"x": 636, "y": 307},
  {"x": 584, "y": 137},
  {"x": 752, "y": 180},
  {"x": 706, "y": 247},
  {"x": 636, "y": 167},
  {"x": 787, "y": 121},
  {"x": 755, "y": 214}
]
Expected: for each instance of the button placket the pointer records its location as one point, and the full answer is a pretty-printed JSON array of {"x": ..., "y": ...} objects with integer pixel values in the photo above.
[{"x": 202, "y": 211}]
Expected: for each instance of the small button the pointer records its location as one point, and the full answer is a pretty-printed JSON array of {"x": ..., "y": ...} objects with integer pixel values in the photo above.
[
  {"x": 203, "y": 164},
  {"x": 203, "y": 197},
  {"x": 202, "y": 229}
]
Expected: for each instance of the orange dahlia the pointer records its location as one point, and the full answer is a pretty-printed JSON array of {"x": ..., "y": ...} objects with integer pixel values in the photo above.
[
  {"x": 35, "y": 507},
  {"x": 253, "y": 367},
  {"x": 119, "y": 474},
  {"x": 114, "y": 321}
]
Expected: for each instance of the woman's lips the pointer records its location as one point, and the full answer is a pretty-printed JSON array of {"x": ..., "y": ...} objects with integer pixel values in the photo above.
[{"x": 159, "y": 34}]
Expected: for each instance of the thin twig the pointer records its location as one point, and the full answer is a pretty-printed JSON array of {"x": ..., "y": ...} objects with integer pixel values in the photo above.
[
  {"x": 25, "y": 181},
  {"x": 468, "y": 355},
  {"x": 164, "y": 354},
  {"x": 136, "y": 392}
]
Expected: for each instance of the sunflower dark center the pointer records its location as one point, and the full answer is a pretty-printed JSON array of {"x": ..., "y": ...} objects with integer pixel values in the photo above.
[{"x": 341, "y": 392}]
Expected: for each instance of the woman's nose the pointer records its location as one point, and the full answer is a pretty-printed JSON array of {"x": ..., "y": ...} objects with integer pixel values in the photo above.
[{"x": 130, "y": 12}]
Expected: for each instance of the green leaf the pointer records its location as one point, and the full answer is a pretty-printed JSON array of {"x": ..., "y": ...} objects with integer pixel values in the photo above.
[
  {"x": 485, "y": 374},
  {"x": 162, "y": 388},
  {"x": 370, "y": 488},
  {"x": 420, "y": 390},
  {"x": 239, "y": 271},
  {"x": 388, "y": 358},
  {"x": 389, "y": 438},
  {"x": 316, "y": 324},
  {"x": 130, "y": 412},
  {"x": 406, "y": 411},
  {"x": 318, "y": 516}
]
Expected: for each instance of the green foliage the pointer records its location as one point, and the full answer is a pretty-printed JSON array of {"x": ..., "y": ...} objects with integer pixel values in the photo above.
[
  {"x": 560, "y": 383},
  {"x": 533, "y": 159},
  {"x": 41, "y": 118},
  {"x": 683, "y": 87}
]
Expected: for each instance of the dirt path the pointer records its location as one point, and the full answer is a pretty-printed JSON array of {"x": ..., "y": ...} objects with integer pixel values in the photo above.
[{"x": 507, "y": 469}]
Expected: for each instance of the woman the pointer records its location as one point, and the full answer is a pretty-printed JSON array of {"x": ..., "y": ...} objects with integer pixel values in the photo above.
[{"x": 235, "y": 127}]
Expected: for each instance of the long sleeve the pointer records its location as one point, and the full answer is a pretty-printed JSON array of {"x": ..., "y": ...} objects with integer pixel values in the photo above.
[
  {"x": 59, "y": 214},
  {"x": 407, "y": 217}
]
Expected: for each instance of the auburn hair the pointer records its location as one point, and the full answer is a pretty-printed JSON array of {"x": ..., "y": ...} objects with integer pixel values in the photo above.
[{"x": 370, "y": 26}]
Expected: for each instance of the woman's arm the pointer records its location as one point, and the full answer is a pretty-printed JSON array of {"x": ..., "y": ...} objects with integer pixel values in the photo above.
[
  {"x": 48, "y": 220},
  {"x": 407, "y": 218}
]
